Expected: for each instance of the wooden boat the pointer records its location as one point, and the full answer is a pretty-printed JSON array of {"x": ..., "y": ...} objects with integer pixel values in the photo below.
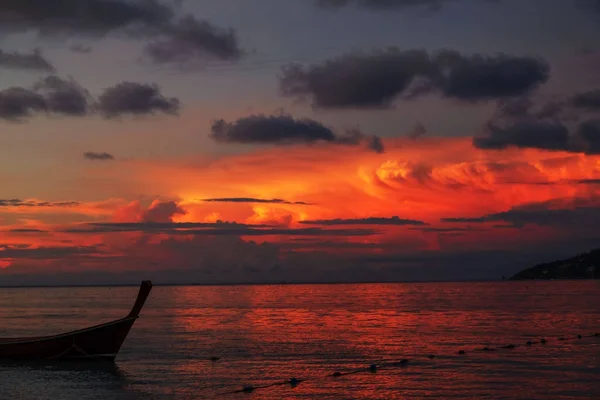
[{"x": 100, "y": 342}]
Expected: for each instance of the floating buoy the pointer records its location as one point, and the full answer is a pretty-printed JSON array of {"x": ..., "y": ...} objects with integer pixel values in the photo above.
[
  {"x": 294, "y": 382},
  {"x": 373, "y": 368},
  {"x": 404, "y": 361}
]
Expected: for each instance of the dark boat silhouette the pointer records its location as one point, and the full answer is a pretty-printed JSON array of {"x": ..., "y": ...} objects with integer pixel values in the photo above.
[{"x": 99, "y": 342}]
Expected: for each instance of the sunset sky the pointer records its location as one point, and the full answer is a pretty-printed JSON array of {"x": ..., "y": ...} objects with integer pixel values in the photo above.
[{"x": 215, "y": 141}]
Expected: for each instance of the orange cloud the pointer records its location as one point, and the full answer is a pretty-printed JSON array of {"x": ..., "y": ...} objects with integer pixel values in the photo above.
[
  {"x": 158, "y": 211},
  {"x": 432, "y": 180}
]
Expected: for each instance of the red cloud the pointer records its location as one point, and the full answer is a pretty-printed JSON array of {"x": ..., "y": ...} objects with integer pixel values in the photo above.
[{"x": 158, "y": 211}]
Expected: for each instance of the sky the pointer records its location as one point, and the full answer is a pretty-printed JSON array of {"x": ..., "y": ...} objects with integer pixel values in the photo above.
[{"x": 221, "y": 141}]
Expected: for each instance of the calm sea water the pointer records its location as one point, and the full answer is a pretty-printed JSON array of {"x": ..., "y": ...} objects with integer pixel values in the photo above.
[{"x": 267, "y": 334}]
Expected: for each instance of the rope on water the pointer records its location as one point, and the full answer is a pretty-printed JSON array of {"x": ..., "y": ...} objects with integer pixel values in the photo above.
[
  {"x": 293, "y": 382},
  {"x": 61, "y": 354},
  {"x": 404, "y": 362},
  {"x": 77, "y": 349}
]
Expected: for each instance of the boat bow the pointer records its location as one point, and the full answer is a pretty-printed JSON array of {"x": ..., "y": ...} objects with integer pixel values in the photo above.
[{"x": 97, "y": 342}]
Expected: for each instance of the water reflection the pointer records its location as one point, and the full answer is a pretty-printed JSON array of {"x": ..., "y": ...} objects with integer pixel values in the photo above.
[
  {"x": 67, "y": 380},
  {"x": 87, "y": 367},
  {"x": 279, "y": 332},
  {"x": 268, "y": 334}
]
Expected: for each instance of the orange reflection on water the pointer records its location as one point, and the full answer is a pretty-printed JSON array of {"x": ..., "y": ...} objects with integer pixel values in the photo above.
[{"x": 267, "y": 334}]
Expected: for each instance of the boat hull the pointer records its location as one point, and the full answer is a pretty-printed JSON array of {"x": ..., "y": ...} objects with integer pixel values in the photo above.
[{"x": 101, "y": 342}]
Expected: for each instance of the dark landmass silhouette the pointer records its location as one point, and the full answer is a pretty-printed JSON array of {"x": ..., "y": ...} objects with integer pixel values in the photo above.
[{"x": 582, "y": 266}]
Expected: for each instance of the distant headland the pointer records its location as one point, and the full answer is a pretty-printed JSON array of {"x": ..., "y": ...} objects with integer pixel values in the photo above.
[{"x": 582, "y": 266}]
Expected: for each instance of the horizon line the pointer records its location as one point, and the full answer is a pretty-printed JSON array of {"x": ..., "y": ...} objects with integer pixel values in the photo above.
[{"x": 100, "y": 285}]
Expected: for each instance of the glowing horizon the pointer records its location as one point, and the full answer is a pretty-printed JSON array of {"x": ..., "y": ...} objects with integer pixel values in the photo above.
[{"x": 196, "y": 143}]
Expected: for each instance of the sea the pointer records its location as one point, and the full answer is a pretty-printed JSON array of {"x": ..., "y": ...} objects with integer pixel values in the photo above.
[{"x": 287, "y": 341}]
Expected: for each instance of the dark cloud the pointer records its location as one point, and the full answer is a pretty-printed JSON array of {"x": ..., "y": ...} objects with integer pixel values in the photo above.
[
  {"x": 135, "y": 99},
  {"x": 589, "y": 100},
  {"x": 377, "y": 79},
  {"x": 64, "y": 97},
  {"x": 27, "y": 230},
  {"x": 75, "y": 17},
  {"x": 382, "y": 4},
  {"x": 557, "y": 125},
  {"x": 51, "y": 95},
  {"x": 189, "y": 40},
  {"x": 34, "y": 61},
  {"x": 554, "y": 110},
  {"x": 560, "y": 182},
  {"x": 210, "y": 261},
  {"x": 541, "y": 135},
  {"x": 173, "y": 38},
  {"x": 46, "y": 253},
  {"x": 572, "y": 214},
  {"x": 565, "y": 123},
  {"x": 216, "y": 229},
  {"x": 227, "y": 258},
  {"x": 93, "y": 156},
  {"x": 479, "y": 77},
  {"x": 364, "y": 221},
  {"x": 162, "y": 227},
  {"x": 253, "y": 200},
  {"x": 312, "y": 244},
  {"x": 17, "y": 103},
  {"x": 472, "y": 264},
  {"x": 355, "y": 137},
  {"x": 375, "y": 143},
  {"x": 593, "y": 5},
  {"x": 284, "y": 130},
  {"x": 515, "y": 107},
  {"x": 14, "y": 246},
  {"x": 588, "y": 136},
  {"x": 280, "y": 129},
  {"x": 199, "y": 259},
  {"x": 356, "y": 80},
  {"x": 418, "y": 131},
  {"x": 444, "y": 230},
  {"x": 283, "y": 232},
  {"x": 172, "y": 225},
  {"x": 157, "y": 227},
  {"x": 34, "y": 203},
  {"x": 588, "y": 181},
  {"x": 162, "y": 212},
  {"x": 523, "y": 108},
  {"x": 80, "y": 48}
]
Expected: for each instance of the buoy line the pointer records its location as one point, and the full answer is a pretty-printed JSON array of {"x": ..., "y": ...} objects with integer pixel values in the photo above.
[{"x": 406, "y": 362}]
